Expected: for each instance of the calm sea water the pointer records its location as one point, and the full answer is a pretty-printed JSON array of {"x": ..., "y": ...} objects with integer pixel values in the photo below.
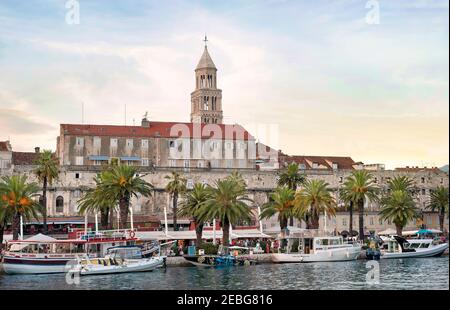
[{"x": 424, "y": 273}]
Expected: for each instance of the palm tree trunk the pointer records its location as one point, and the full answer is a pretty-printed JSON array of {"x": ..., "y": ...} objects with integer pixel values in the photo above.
[
  {"x": 291, "y": 221},
  {"x": 399, "y": 229},
  {"x": 198, "y": 233},
  {"x": 226, "y": 233},
  {"x": 16, "y": 226},
  {"x": 111, "y": 218},
  {"x": 44, "y": 207},
  {"x": 350, "y": 211},
  {"x": 124, "y": 204},
  {"x": 104, "y": 215},
  {"x": 361, "y": 219},
  {"x": 314, "y": 222},
  {"x": 2, "y": 231},
  {"x": 175, "y": 210},
  {"x": 441, "y": 219},
  {"x": 283, "y": 223}
]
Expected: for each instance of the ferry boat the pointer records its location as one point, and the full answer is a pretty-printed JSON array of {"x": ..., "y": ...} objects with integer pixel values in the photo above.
[
  {"x": 306, "y": 248},
  {"x": 43, "y": 254},
  {"x": 399, "y": 247}
]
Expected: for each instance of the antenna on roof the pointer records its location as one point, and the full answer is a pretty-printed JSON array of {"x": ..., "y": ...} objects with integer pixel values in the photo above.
[
  {"x": 82, "y": 112},
  {"x": 125, "y": 116}
]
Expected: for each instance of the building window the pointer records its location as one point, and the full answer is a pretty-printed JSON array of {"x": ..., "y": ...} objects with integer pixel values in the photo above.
[
  {"x": 145, "y": 162},
  {"x": 302, "y": 166},
  {"x": 113, "y": 142},
  {"x": 79, "y": 141},
  {"x": 422, "y": 180},
  {"x": 375, "y": 180},
  {"x": 189, "y": 184},
  {"x": 371, "y": 220},
  {"x": 423, "y": 191},
  {"x": 130, "y": 143},
  {"x": 59, "y": 204},
  {"x": 229, "y": 145},
  {"x": 335, "y": 166},
  {"x": 79, "y": 160},
  {"x": 341, "y": 179},
  {"x": 442, "y": 180},
  {"x": 77, "y": 175},
  {"x": 380, "y": 221},
  {"x": 315, "y": 165},
  {"x": 171, "y": 143},
  {"x": 144, "y": 144},
  {"x": 344, "y": 222},
  {"x": 76, "y": 193},
  {"x": 97, "y": 142},
  {"x": 200, "y": 164},
  {"x": 172, "y": 163},
  {"x": 97, "y": 162},
  {"x": 186, "y": 164}
]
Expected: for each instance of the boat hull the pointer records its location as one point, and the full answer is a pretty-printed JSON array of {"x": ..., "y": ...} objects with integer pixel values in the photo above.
[
  {"x": 36, "y": 266},
  {"x": 332, "y": 255},
  {"x": 434, "y": 251},
  {"x": 141, "y": 265}
]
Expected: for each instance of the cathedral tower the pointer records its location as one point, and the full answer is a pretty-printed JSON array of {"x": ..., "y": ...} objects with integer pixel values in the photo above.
[{"x": 206, "y": 100}]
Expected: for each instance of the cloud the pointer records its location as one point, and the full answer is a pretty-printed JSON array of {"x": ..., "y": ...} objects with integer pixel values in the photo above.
[{"x": 21, "y": 123}]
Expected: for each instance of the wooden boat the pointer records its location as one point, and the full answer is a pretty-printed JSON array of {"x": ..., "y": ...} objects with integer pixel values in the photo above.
[{"x": 43, "y": 254}]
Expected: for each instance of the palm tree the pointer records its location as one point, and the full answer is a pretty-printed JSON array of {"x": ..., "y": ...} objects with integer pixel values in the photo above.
[
  {"x": 360, "y": 187},
  {"x": 190, "y": 205},
  {"x": 401, "y": 183},
  {"x": 312, "y": 200},
  {"x": 5, "y": 217},
  {"x": 119, "y": 184},
  {"x": 439, "y": 203},
  {"x": 95, "y": 201},
  {"x": 281, "y": 202},
  {"x": 399, "y": 207},
  {"x": 228, "y": 203},
  {"x": 347, "y": 199},
  {"x": 46, "y": 172},
  {"x": 291, "y": 177},
  {"x": 176, "y": 186},
  {"x": 19, "y": 198}
]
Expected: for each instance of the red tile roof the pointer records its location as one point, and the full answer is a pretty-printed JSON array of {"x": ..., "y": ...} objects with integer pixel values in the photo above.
[
  {"x": 160, "y": 129},
  {"x": 24, "y": 158},
  {"x": 4, "y": 146},
  {"x": 324, "y": 162}
]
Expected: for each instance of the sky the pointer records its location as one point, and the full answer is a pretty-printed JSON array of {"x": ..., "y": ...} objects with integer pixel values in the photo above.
[{"x": 325, "y": 75}]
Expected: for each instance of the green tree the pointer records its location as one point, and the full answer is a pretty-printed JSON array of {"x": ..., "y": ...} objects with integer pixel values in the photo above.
[
  {"x": 119, "y": 184},
  {"x": 291, "y": 177},
  {"x": 401, "y": 183},
  {"x": 228, "y": 203},
  {"x": 360, "y": 187},
  {"x": 439, "y": 203},
  {"x": 347, "y": 199},
  {"x": 95, "y": 201},
  {"x": 19, "y": 199},
  {"x": 46, "y": 172},
  {"x": 313, "y": 199},
  {"x": 175, "y": 187},
  {"x": 281, "y": 203},
  {"x": 399, "y": 207},
  {"x": 191, "y": 204}
]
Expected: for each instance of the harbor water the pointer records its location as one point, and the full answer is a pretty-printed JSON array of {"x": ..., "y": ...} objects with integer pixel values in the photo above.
[{"x": 395, "y": 274}]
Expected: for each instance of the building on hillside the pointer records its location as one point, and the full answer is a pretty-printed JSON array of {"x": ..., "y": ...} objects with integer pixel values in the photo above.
[{"x": 5, "y": 155}]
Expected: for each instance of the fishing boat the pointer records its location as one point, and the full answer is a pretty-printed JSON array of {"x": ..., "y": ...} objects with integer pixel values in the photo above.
[
  {"x": 112, "y": 265},
  {"x": 305, "y": 248},
  {"x": 227, "y": 256},
  {"x": 399, "y": 247},
  {"x": 44, "y": 254}
]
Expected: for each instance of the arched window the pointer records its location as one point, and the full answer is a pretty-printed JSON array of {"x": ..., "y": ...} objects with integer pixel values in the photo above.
[{"x": 59, "y": 204}]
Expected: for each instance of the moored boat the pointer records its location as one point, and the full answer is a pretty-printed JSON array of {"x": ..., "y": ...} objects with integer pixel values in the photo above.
[
  {"x": 228, "y": 256},
  {"x": 43, "y": 254},
  {"x": 399, "y": 247},
  {"x": 317, "y": 249}
]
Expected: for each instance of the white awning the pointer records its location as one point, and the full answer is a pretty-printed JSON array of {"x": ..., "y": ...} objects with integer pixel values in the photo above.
[
  {"x": 389, "y": 231},
  {"x": 170, "y": 222}
]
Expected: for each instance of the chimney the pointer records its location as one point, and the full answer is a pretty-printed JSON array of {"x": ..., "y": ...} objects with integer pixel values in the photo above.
[
  {"x": 145, "y": 122},
  {"x": 37, "y": 149}
]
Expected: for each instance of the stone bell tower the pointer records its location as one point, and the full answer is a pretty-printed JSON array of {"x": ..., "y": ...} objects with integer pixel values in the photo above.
[{"x": 206, "y": 100}]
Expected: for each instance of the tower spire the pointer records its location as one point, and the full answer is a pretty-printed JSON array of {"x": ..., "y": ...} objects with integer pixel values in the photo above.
[{"x": 206, "y": 41}]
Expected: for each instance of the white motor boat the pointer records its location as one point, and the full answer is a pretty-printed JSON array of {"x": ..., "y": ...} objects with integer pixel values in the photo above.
[
  {"x": 318, "y": 249},
  {"x": 398, "y": 247},
  {"x": 110, "y": 265}
]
